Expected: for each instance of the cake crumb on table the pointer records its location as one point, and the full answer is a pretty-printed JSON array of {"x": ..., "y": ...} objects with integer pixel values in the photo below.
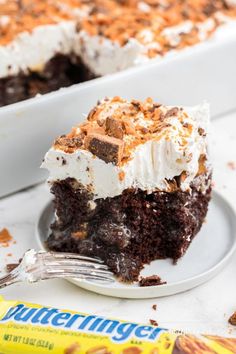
[
  {"x": 151, "y": 281},
  {"x": 232, "y": 319},
  {"x": 231, "y": 165},
  {"x": 153, "y": 322},
  {"x": 5, "y": 237},
  {"x": 154, "y": 307}
]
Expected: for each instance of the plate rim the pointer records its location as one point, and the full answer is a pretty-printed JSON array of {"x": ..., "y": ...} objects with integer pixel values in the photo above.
[{"x": 199, "y": 278}]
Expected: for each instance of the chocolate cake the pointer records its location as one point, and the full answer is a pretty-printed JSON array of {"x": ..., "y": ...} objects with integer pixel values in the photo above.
[
  {"x": 45, "y": 44},
  {"x": 131, "y": 184}
]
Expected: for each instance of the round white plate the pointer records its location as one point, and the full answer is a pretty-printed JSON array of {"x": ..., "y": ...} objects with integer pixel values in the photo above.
[{"x": 209, "y": 252}]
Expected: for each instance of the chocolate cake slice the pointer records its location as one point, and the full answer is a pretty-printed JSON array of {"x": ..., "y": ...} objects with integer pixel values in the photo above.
[{"x": 131, "y": 184}]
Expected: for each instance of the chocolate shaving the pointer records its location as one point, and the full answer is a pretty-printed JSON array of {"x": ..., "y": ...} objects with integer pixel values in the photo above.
[{"x": 107, "y": 148}]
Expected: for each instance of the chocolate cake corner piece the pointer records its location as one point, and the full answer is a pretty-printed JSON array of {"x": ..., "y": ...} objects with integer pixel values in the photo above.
[
  {"x": 152, "y": 280},
  {"x": 108, "y": 149}
]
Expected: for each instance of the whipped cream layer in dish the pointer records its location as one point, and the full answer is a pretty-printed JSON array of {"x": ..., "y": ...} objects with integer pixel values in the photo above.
[
  {"x": 133, "y": 144},
  {"x": 31, "y": 51},
  {"x": 107, "y": 35}
]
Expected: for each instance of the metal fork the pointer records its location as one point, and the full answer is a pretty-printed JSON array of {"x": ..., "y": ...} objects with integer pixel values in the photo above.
[{"x": 41, "y": 265}]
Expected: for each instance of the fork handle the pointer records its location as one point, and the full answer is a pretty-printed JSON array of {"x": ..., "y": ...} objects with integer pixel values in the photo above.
[{"x": 9, "y": 279}]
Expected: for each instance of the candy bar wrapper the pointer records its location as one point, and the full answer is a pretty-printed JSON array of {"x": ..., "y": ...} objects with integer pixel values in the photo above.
[{"x": 29, "y": 328}]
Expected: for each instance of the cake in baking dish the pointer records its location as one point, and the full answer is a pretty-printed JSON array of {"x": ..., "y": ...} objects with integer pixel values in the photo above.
[
  {"x": 131, "y": 184},
  {"x": 48, "y": 44}
]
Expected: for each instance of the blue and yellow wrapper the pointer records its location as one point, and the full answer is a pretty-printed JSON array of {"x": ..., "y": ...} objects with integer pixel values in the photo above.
[{"x": 30, "y": 328}]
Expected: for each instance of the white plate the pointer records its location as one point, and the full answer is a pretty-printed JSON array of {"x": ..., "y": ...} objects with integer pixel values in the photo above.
[{"x": 209, "y": 252}]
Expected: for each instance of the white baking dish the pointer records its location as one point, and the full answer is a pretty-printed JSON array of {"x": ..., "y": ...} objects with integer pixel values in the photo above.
[{"x": 27, "y": 129}]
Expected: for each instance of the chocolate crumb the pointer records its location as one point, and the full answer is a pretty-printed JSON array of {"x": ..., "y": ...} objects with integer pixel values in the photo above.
[
  {"x": 232, "y": 319},
  {"x": 152, "y": 280},
  {"x": 201, "y": 131},
  {"x": 154, "y": 307},
  {"x": 153, "y": 322},
  {"x": 172, "y": 112},
  {"x": 64, "y": 161}
]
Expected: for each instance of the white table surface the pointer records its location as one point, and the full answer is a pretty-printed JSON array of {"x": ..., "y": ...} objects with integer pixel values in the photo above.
[{"x": 203, "y": 309}]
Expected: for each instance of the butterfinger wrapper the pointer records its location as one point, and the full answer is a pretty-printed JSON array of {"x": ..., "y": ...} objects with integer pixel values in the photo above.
[{"x": 27, "y": 328}]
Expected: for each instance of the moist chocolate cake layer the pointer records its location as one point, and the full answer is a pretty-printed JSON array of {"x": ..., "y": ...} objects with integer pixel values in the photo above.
[
  {"x": 60, "y": 71},
  {"x": 129, "y": 230}
]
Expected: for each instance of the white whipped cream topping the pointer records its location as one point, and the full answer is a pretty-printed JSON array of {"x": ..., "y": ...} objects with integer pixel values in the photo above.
[
  {"x": 31, "y": 51},
  {"x": 104, "y": 56},
  {"x": 151, "y": 165}
]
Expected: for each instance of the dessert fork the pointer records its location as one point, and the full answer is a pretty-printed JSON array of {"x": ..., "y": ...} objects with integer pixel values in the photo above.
[{"x": 42, "y": 265}]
